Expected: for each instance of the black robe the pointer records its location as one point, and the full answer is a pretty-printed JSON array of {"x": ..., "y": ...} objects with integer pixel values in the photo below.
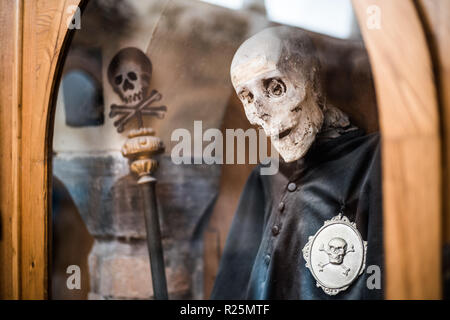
[{"x": 263, "y": 253}]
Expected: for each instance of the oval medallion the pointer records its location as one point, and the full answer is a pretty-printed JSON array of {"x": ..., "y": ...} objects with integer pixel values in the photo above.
[{"x": 336, "y": 255}]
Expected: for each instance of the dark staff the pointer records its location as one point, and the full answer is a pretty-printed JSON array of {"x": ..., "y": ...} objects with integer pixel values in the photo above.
[{"x": 141, "y": 145}]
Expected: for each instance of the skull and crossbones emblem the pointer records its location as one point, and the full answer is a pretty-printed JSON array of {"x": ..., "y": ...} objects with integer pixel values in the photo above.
[
  {"x": 129, "y": 74},
  {"x": 340, "y": 241},
  {"x": 336, "y": 250}
]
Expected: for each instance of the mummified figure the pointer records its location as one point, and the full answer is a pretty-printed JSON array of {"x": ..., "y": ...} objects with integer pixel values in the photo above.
[
  {"x": 330, "y": 166},
  {"x": 278, "y": 83}
]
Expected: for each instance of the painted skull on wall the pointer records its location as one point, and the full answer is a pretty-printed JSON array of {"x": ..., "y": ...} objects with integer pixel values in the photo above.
[
  {"x": 276, "y": 76},
  {"x": 129, "y": 74}
]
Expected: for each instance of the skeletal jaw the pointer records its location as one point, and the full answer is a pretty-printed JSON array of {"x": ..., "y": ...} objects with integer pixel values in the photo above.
[
  {"x": 132, "y": 98},
  {"x": 294, "y": 142}
]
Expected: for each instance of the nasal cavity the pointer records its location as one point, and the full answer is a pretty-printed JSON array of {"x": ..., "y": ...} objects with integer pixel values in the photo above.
[{"x": 127, "y": 85}]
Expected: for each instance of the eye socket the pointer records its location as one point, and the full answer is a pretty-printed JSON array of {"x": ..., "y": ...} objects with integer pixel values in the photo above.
[
  {"x": 118, "y": 80},
  {"x": 275, "y": 87},
  {"x": 132, "y": 76},
  {"x": 246, "y": 96}
]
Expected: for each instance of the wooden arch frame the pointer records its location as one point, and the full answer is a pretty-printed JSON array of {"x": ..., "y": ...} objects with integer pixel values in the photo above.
[{"x": 33, "y": 37}]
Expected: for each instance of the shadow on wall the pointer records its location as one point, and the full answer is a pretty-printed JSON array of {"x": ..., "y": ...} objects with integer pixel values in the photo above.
[{"x": 71, "y": 245}]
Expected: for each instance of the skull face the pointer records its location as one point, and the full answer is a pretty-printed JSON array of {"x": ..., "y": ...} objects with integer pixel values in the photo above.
[
  {"x": 129, "y": 74},
  {"x": 337, "y": 249},
  {"x": 273, "y": 74}
]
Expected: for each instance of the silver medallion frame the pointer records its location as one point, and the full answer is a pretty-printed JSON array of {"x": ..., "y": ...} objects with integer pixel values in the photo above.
[{"x": 339, "y": 219}]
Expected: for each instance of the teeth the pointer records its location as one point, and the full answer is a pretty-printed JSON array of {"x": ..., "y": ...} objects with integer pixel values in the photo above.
[{"x": 133, "y": 97}]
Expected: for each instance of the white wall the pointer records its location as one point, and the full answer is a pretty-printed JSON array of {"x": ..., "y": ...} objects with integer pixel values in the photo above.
[{"x": 331, "y": 17}]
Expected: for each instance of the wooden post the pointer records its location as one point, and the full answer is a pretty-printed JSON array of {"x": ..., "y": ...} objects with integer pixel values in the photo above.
[{"x": 411, "y": 146}]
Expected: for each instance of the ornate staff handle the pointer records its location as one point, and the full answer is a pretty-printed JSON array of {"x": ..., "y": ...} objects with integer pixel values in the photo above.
[{"x": 140, "y": 146}]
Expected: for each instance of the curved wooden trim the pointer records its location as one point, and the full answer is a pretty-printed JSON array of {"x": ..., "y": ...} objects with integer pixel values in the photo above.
[
  {"x": 45, "y": 29},
  {"x": 10, "y": 57},
  {"x": 436, "y": 17},
  {"x": 411, "y": 146}
]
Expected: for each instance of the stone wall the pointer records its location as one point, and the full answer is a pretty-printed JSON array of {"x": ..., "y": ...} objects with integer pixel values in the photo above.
[{"x": 109, "y": 203}]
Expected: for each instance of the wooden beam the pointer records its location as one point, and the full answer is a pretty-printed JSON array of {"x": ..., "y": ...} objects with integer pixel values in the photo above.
[
  {"x": 45, "y": 29},
  {"x": 10, "y": 77},
  {"x": 436, "y": 19},
  {"x": 411, "y": 147}
]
